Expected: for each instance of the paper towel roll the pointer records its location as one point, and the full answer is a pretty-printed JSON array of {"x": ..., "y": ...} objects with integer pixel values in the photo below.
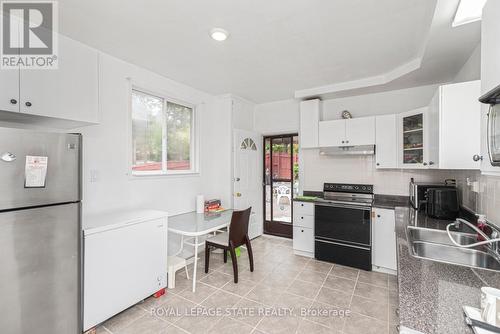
[{"x": 200, "y": 204}]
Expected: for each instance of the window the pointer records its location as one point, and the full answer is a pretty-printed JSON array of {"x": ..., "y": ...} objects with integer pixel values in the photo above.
[{"x": 162, "y": 136}]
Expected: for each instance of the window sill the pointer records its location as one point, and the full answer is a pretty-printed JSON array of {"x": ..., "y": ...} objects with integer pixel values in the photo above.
[{"x": 134, "y": 176}]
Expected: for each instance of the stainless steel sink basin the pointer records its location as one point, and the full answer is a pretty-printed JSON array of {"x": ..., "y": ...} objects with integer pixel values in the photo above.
[
  {"x": 435, "y": 245},
  {"x": 439, "y": 237}
]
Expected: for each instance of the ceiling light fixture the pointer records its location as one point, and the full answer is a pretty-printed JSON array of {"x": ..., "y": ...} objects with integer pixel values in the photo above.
[
  {"x": 468, "y": 11},
  {"x": 219, "y": 34}
]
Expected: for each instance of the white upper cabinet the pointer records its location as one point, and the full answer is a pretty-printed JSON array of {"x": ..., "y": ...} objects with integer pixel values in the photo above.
[
  {"x": 360, "y": 131},
  {"x": 9, "y": 90},
  {"x": 347, "y": 132},
  {"x": 386, "y": 141},
  {"x": 69, "y": 92},
  {"x": 459, "y": 125},
  {"x": 332, "y": 133},
  {"x": 414, "y": 139},
  {"x": 309, "y": 119}
]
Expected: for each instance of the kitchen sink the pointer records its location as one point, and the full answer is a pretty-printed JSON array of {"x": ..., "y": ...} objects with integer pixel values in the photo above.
[
  {"x": 435, "y": 245},
  {"x": 439, "y": 236}
]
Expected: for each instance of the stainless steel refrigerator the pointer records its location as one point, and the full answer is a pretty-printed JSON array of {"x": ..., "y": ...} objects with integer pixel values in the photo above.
[{"x": 40, "y": 232}]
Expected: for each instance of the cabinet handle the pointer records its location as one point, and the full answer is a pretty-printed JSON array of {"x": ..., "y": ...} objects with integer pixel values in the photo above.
[
  {"x": 378, "y": 164},
  {"x": 477, "y": 157},
  {"x": 425, "y": 163},
  {"x": 302, "y": 230},
  {"x": 301, "y": 217},
  {"x": 347, "y": 141},
  {"x": 28, "y": 104},
  {"x": 431, "y": 163},
  {"x": 13, "y": 101},
  {"x": 343, "y": 141},
  {"x": 302, "y": 205},
  {"x": 378, "y": 216}
]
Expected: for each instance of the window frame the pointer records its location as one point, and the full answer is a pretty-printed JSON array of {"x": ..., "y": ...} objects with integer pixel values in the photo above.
[{"x": 194, "y": 138}]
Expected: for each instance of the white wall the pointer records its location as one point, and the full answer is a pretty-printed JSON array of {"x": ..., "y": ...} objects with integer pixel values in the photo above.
[
  {"x": 107, "y": 151},
  {"x": 278, "y": 117},
  {"x": 472, "y": 67}
]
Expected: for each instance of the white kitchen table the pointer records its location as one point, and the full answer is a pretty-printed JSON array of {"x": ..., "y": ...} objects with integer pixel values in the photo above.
[{"x": 196, "y": 225}]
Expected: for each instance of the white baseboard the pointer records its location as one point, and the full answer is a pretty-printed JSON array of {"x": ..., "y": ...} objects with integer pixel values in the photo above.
[
  {"x": 384, "y": 270},
  {"x": 301, "y": 253}
]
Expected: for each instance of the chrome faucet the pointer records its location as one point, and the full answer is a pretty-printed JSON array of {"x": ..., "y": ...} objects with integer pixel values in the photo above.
[{"x": 490, "y": 242}]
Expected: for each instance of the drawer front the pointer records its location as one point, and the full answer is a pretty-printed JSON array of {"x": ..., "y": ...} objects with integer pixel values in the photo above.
[
  {"x": 303, "y": 239},
  {"x": 303, "y": 208},
  {"x": 303, "y": 220}
]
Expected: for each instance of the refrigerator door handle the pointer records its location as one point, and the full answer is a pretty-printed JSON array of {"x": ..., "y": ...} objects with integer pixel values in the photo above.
[{"x": 8, "y": 157}]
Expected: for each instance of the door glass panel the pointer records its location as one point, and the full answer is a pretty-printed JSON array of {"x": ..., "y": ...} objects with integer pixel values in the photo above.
[
  {"x": 414, "y": 122},
  {"x": 282, "y": 201},
  {"x": 413, "y": 139},
  {"x": 295, "y": 166},
  {"x": 267, "y": 178},
  {"x": 281, "y": 150}
]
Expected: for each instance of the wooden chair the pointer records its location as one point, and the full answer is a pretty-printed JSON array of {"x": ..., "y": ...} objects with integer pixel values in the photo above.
[{"x": 229, "y": 241}]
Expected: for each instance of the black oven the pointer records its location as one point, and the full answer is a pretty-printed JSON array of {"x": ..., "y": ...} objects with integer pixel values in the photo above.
[{"x": 343, "y": 234}]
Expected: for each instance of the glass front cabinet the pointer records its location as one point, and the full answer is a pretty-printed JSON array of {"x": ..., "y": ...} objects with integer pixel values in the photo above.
[{"x": 417, "y": 147}]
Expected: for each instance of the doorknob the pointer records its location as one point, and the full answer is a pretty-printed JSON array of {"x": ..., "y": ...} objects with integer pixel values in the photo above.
[
  {"x": 477, "y": 157},
  {"x": 238, "y": 194}
]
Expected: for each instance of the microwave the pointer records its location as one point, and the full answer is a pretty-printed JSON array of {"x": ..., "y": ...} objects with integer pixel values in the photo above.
[{"x": 493, "y": 126}]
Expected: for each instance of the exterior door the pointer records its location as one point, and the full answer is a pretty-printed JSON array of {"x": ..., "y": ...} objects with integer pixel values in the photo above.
[
  {"x": 280, "y": 183},
  {"x": 246, "y": 183}
]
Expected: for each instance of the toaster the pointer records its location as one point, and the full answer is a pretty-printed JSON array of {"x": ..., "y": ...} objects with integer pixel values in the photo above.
[{"x": 442, "y": 203}]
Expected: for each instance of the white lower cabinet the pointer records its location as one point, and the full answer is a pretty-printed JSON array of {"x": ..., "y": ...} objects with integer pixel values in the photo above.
[
  {"x": 384, "y": 239},
  {"x": 303, "y": 228},
  {"x": 303, "y": 240}
]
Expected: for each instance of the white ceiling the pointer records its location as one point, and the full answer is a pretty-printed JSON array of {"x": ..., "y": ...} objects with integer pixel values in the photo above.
[{"x": 275, "y": 47}]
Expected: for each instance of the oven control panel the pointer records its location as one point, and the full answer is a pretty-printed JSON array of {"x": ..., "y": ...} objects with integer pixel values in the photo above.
[{"x": 348, "y": 188}]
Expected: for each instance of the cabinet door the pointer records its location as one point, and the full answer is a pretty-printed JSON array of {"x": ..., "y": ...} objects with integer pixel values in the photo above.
[
  {"x": 69, "y": 92},
  {"x": 332, "y": 133},
  {"x": 386, "y": 141},
  {"x": 303, "y": 239},
  {"x": 460, "y": 113},
  {"x": 384, "y": 239},
  {"x": 9, "y": 90},
  {"x": 412, "y": 139},
  {"x": 309, "y": 119},
  {"x": 360, "y": 131}
]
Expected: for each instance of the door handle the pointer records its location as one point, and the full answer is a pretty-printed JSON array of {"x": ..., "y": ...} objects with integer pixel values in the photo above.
[{"x": 477, "y": 157}]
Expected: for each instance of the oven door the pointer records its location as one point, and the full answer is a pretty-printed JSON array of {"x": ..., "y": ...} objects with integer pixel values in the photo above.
[{"x": 343, "y": 223}]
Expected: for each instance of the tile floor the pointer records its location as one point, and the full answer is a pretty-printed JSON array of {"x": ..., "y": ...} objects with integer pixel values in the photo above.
[{"x": 312, "y": 296}]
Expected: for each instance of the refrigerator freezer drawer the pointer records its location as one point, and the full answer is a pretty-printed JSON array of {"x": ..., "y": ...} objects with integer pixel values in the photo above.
[
  {"x": 40, "y": 285},
  {"x": 62, "y": 182}
]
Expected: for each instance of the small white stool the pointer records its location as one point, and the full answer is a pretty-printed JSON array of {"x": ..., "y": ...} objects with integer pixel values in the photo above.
[{"x": 174, "y": 264}]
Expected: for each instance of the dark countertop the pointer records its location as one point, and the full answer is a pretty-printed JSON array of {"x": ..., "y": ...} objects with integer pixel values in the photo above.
[{"x": 431, "y": 294}]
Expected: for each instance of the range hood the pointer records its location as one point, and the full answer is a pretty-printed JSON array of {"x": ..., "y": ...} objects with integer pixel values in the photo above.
[{"x": 348, "y": 150}]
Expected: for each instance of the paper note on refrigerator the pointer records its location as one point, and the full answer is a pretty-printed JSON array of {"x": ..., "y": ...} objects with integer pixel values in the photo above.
[{"x": 35, "y": 171}]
